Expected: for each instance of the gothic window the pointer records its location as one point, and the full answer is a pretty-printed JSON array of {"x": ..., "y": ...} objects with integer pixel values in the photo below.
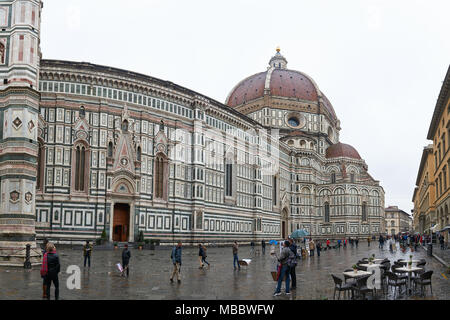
[
  {"x": 125, "y": 125},
  {"x": 364, "y": 211},
  {"x": 333, "y": 177},
  {"x": 327, "y": 212},
  {"x": 80, "y": 167},
  {"x": 82, "y": 112},
  {"x": 274, "y": 191},
  {"x": 2, "y": 53},
  {"x": 352, "y": 177},
  {"x": 41, "y": 164},
  {"x": 110, "y": 149},
  {"x": 229, "y": 179},
  {"x": 160, "y": 173},
  {"x": 138, "y": 156}
]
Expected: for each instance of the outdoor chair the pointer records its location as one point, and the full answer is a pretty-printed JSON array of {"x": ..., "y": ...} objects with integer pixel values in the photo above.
[
  {"x": 361, "y": 287},
  {"x": 421, "y": 264},
  {"x": 339, "y": 286},
  {"x": 361, "y": 268},
  {"x": 395, "y": 281},
  {"x": 425, "y": 280}
]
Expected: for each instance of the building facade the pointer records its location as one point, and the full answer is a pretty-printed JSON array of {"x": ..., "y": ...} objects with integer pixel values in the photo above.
[
  {"x": 424, "y": 197},
  {"x": 397, "y": 221},
  {"x": 130, "y": 154},
  {"x": 439, "y": 133}
]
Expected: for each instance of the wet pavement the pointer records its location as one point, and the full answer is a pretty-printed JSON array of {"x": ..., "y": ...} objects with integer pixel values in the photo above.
[{"x": 150, "y": 271}]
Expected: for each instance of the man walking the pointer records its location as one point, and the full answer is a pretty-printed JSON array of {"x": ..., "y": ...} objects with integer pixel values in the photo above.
[
  {"x": 126, "y": 255},
  {"x": 235, "y": 256},
  {"x": 87, "y": 250},
  {"x": 285, "y": 270},
  {"x": 318, "y": 247},
  {"x": 263, "y": 246},
  {"x": 252, "y": 248},
  {"x": 176, "y": 260},
  {"x": 293, "y": 263},
  {"x": 368, "y": 241}
]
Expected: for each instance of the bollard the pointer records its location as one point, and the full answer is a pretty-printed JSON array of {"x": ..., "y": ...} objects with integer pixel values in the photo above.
[{"x": 27, "y": 263}]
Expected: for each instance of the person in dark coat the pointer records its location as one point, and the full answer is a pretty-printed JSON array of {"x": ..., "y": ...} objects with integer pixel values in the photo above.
[
  {"x": 263, "y": 246},
  {"x": 176, "y": 260},
  {"x": 126, "y": 255},
  {"x": 44, "y": 285},
  {"x": 50, "y": 269},
  {"x": 293, "y": 248}
]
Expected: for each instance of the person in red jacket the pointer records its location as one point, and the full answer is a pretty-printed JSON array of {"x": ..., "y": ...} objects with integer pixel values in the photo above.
[{"x": 328, "y": 243}]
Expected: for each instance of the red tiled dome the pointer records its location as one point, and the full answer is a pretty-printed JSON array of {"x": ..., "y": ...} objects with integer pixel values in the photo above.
[
  {"x": 342, "y": 150},
  {"x": 278, "y": 81}
]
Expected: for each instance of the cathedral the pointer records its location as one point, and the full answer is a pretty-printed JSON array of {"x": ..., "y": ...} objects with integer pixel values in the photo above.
[{"x": 89, "y": 150}]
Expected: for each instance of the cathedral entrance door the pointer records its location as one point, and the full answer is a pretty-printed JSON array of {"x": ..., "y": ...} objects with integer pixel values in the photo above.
[{"x": 121, "y": 223}]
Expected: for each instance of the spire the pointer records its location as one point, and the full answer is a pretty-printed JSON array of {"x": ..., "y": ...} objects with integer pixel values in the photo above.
[{"x": 278, "y": 61}]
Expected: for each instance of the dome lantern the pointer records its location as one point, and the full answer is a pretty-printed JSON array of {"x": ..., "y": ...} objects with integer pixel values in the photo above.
[{"x": 278, "y": 61}]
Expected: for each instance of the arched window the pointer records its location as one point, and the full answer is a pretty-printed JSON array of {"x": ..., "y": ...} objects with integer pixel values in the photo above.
[
  {"x": 333, "y": 177},
  {"x": 41, "y": 166},
  {"x": 125, "y": 125},
  {"x": 327, "y": 212},
  {"x": 352, "y": 177},
  {"x": 274, "y": 191},
  {"x": 82, "y": 112},
  {"x": 80, "y": 168},
  {"x": 110, "y": 149},
  {"x": 2, "y": 53},
  {"x": 160, "y": 173},
  {"x": 229, "y": 178}
]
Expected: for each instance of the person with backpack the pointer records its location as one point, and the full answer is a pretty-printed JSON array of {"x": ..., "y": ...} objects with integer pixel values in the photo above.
[
  {"x": 50, "y": 269},
  {"x": 311, "y": 247},
  {"x": 176, "y": 260},
  {"x": 285, "y": 254},
  {"x": 293, "y": 263},
  {"x": 126, "y": 255}
]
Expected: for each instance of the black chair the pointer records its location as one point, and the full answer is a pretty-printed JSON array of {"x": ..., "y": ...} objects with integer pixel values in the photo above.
[
  {"x": 425, "y": 280},
  {"x": 421, "y": 264},
  {"x": 395, "y": 281},
  {"x": 361, "y": 286},
  {"x": 361, "y": 268},
  {"x": 339, "y": 286}
]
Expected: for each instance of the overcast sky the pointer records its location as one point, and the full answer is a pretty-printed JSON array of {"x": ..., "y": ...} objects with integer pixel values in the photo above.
[{"x": 380, "y": 63}]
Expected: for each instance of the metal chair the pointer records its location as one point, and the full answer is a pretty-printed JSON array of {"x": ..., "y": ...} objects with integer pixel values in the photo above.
[
  {"x": 339, "y": 286},
  {"x": 400, "y": 274},
  {"x": 425, "y": 280},
  {"x": 348, "y": 279},
  {"x": 395, "y": 281},
  {"x": 361, "y": 286}
]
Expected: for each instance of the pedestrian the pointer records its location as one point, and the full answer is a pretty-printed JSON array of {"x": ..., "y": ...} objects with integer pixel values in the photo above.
[
  {"x": 318, "y": 247},
  {"x": 293, "y": 263},
  {"x": 200, "y": 255},
  {"x": 176, "y": 260},
  {"x": 87, "y": 250},
  {"x": 368, "y": 241},
  {"x": 285, "y": 270},
  {"x": 235, "y": 255},
  {"x": 345, "y": 243},
  {"x": 126, "y": 255},
  {"x": 339, "y": 244},
  {"x": 311, "y": 247},
  {"x": 204, "y": 256},
  {"x": 44, "y": 281},
  {"x": 328, "y": 243},
  {"x": 50, "y": 269},
  {"x": 441, "y": 241},
  {"x": 357, "y": 241},
  {"x": 263, "y": 246},
  {"x": 252, "y": 248}
]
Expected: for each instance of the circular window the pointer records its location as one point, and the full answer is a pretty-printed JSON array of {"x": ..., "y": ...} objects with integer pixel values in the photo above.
[{"x": 294, "y": 122}]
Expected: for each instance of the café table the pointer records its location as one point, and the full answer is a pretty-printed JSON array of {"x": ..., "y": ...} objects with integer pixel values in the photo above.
[
  {"x": 370, "y": 265},
  {"x": 409, "y": 270},
  {"x": 357, "y": 274}
]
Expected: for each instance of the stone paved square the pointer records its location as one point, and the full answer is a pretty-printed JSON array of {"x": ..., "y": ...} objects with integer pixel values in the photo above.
[{"x": 150, "y": 271}]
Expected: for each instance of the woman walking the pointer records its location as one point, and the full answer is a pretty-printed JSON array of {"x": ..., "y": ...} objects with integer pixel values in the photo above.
[
  {"x": 44, "y": 283},
  {"x": 50, "y": 269}
]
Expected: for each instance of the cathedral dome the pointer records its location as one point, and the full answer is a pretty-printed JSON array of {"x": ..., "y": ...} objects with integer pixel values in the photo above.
[
  {"x": 278, "y": 81},
  {"x": 342, "y": 150}
]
